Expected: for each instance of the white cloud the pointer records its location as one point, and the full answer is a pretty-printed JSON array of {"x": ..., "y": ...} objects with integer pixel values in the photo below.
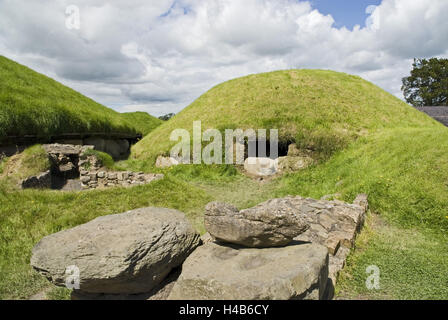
[{"x": 159, "y": 56}]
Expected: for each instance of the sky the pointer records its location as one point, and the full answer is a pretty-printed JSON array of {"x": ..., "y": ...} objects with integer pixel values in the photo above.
[
  {"x": 158, "y": 56},
  {"x": 346, "y": 13}
]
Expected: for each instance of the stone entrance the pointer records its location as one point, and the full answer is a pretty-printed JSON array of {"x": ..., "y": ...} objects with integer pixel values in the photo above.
[{"x": 74, "y": 169}]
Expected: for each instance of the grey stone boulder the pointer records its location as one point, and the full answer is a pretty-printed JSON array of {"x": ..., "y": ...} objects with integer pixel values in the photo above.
[
  {"x": 294, "y": 163},
  {"x": 273, "y": 223},
  {"x": 128, "y": 253},
  {"x": 166, "y": 162},
  {"x": 218, "y": 272}
]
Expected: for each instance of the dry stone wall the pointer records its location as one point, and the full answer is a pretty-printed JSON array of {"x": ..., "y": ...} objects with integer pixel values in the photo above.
[
  {"x": 104, "y": 179},
  {"x": 334, "y": 224},
  {"x": 72, "y": 161},
  {"x": 41, "y": 181}
]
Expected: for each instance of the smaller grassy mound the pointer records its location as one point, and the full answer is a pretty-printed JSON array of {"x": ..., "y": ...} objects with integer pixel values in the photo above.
[
  {"x": 143, "y": 122},
  {"x": 30, "y": 162},
  {"x": 33, "y": 104}
]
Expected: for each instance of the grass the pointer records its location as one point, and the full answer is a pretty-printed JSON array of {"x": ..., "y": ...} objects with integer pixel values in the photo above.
[
  {"x": 320, "y": 110},
  {"x": 412, "y": 264},
  {"x": 2, "y": 163},
  {"x": 33, "y": 104},
  {"x": 142, "y": 121}
]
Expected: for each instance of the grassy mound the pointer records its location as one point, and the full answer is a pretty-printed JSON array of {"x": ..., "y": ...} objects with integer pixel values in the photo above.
[
  {"x": 320, "y": 110},
  {"x": 142, "y": 121},
  {"x": 33, "y": 104}
]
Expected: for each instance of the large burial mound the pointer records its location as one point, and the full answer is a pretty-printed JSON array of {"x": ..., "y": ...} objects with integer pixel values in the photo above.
[
  {"x": 319, "y": 110},
  {"x": 32, "y": 104}
]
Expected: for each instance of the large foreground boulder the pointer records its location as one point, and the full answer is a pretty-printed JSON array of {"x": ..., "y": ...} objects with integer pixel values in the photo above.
[
  {"x": 218, "y": 272},
  {"x": 127, "y": 253},
  {"x": 273, "y": 223}
]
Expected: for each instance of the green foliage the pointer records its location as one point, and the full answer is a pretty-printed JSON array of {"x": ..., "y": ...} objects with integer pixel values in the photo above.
[
  {"x": 167, "y": 116},
  {"x": 142, "y": 121},
  {"x": 428, "y": 83},
  {"x": 33, "y": 104},
  {"x": 321, "y": 110}
]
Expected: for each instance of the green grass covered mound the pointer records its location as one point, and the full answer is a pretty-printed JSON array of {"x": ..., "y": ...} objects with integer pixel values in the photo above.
[
  {"x": 33, "y": 104},
  {"x": 142, "y": 121},
  {"x": 321, "y": 110}
]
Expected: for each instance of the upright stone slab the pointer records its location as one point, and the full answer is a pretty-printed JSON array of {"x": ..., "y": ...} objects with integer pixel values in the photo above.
[{"x": 128, "y": 253}]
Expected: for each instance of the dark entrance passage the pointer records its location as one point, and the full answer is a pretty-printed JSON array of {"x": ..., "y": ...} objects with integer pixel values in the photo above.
[{"x": 265, "y": 152}]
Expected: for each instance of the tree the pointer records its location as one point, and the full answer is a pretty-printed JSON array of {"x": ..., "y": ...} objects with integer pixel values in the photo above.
[
  {"x": 167, "y": 116},
  {"x": 428, "y": 83}
]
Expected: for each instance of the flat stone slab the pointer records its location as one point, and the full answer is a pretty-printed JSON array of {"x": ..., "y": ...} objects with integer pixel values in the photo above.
[
  {"x": 66, "y": 149},
  {"x": 218, "y": 272}
]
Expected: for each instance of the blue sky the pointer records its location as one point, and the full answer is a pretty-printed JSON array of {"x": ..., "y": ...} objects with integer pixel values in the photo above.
[{"x": 346, "y": 13}]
